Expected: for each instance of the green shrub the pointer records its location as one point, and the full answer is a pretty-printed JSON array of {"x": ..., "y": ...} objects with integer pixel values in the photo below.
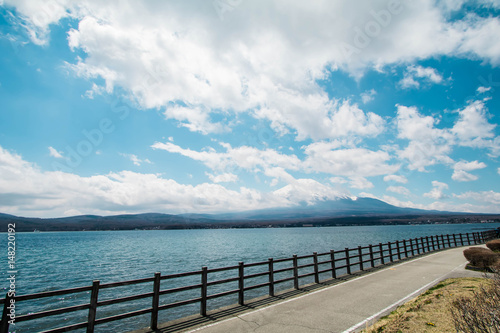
[{"x": 494, "y": 245}]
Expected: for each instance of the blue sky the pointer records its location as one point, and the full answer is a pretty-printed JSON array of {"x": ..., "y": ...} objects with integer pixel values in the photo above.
[{"x": 230, "y": 105}]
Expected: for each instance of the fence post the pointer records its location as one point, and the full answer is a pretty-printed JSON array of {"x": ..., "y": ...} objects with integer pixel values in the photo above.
[
  {"x": 411, "y": 248},
  {"x": 93, "y": 306},
  {"x": 468, "y": 238},
  {"x": 360, "y": 255},
  {"x": 295, "y": 272},
  {"x": 390, "y": 251},
  {"x": 4, "y": 327},
  {"x": 455, "y": 240},
  {"x": 381, "y": 253},
  {"x": 241, "y": 283},
  {"x": 204, "y": 281},
  {"x": 406, "y": 249},
  {"x": 334, "y": 270},
  {"x": 271, "y": 277},
  {"x": 316, "y": 274},
  {"x": 156, "y": 301},
  {"x": 428, "y": 245},
  {"x": 372, "y": 261},
  {"x": 461, "y": 239},
  {"x": 442, "y": 241},
  {"x": 347, "y": 261},
  {"x": 399, "y": 250}
]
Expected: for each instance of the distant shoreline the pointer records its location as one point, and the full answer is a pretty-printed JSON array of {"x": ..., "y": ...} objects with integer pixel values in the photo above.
[{"x": 82, "y": 224}]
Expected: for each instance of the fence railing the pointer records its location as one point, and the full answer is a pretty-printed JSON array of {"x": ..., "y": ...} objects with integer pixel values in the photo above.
[{"x": 320, "y": 266}]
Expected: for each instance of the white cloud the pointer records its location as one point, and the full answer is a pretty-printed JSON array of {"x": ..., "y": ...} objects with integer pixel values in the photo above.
[
  {"x": 427, "y": 74},
  {"x": 339, "y": 180},
  {"x": 399, "y": 203},
  {"x": 360, "y": 183},
  {"x": 368, "y": 96},
  {"x": 279, "y": 174},
  {"x": 194, "y": 119},
  {"x": 38, "y": 16},
  {"x": 476, "y": 33},
  {"x": 396, "y": 178},
  {"x": 498, "y": 170},
  {"x": 177, "y": 65},
  {"x": 315, "y": 116},
  {"x": 437, "y": 191},
  {"x": 472, "y": 128},
  {"x": 25, "y": 190},
  {"x": 327, "y": 157},
  {"x": 399, "y": 189},
  {"x": 487, "y": 197},
  {"x": 438, "y": 205},
  {"x": 321, "y": 157},
  {"x": 308, "y": 191},
  {"x": 137, "y": 161},
  {"x": 54, "y": 153},
  {"x": 244, "y": 157},
  {"x": 223, "y": 178},
  {"x": 460, "y": 170},
  {"x": 428, "y": 145},
  {"x": 482, "y": 90},
  {"x": 463, "y": 176}
]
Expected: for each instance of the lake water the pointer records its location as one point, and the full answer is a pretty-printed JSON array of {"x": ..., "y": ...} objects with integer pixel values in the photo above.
[{"x": 59, "y": 260}]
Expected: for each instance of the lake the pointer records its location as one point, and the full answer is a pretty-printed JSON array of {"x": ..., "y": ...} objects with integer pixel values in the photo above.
[{"x": 58, "y": 260}]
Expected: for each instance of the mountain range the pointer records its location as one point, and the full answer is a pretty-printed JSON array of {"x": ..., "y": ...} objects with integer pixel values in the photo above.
[{"x": 343, "y": 211}]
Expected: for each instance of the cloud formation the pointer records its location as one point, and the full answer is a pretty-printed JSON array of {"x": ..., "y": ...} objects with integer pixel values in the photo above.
[
  {"x": 207, "y": 68},
  {"x": 175, "y": 64},
  {"x": 460, "y": 170},
  {"x": 415, "y": 73}
]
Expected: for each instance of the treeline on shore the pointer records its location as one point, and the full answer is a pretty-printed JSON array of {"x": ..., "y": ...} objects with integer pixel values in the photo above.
[{"x": 170, "y": 222}]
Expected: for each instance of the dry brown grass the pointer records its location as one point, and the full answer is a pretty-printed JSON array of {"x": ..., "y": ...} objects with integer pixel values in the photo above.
[
  {"x": 429, "y": 312},
  {"x": 481, "y": 257},
  {"x": 494, "y": 245},
  {"x": 481, "y": 311}
]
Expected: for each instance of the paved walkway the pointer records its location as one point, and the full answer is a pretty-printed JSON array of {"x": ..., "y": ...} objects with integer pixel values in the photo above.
[
  {"x": 342, "y": 307},
  {"x": 348, "y": 306}
]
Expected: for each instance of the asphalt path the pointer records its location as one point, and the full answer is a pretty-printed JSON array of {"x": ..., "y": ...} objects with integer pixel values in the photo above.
[{"x": 351, "y": 305}]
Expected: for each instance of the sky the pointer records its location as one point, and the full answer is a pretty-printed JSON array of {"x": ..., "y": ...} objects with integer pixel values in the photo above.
[{"x": 230, "y": 105}]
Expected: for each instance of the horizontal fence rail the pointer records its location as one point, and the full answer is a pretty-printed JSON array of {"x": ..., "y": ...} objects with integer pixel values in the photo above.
[{"x": 319, "y": 266}]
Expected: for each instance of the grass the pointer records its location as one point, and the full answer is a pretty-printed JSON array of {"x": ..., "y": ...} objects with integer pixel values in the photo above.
[{"x": 429, "y": 312}]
